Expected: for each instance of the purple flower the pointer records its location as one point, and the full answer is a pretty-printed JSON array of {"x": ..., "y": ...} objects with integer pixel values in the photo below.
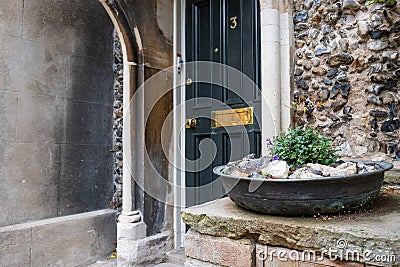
[
  {"x": 275, "y": 157},
  {"x": 269, "y": 142}
]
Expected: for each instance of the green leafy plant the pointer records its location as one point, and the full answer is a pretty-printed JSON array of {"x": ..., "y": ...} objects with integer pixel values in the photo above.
[
  {"x": 370, "y": 2},
  {"x": 303, "y": 145}
]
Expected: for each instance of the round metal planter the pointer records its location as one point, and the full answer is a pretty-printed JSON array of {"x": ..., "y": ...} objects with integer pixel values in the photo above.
[{"x": 309, "y": 196}]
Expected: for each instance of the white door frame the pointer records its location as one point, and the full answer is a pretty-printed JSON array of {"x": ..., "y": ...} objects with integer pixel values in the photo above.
[{"x": 179, "y": 97}]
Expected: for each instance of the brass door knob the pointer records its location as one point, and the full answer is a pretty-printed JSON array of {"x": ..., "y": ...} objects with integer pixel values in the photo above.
[
  {"x": 189, "y": 82},
  {"x": 191, "y": 123}
]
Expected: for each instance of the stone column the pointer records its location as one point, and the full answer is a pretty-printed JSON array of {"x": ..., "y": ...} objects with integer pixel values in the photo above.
[
  {"x": 130, "y": 227},
  {"x": 287, "y": 61},
  {"x": 270, "y": 68},
  {"x": 276, "y": 64}
]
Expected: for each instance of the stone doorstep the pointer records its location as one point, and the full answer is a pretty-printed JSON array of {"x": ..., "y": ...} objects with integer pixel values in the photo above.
[
  {"x": 392, "y": 177},
  {"x": 377, "y": 231}
]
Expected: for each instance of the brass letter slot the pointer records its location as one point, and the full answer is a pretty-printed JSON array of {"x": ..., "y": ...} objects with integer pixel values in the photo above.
[{"x": 232, "y": 117}]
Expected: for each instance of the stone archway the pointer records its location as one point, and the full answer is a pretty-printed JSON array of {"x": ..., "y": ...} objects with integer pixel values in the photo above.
[
  {"x": 144, "y": 56},
  {"x": 132, "y": 51}
]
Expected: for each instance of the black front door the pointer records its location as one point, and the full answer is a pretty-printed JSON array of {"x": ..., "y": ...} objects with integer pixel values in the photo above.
[{"x": 226, "y": 32}]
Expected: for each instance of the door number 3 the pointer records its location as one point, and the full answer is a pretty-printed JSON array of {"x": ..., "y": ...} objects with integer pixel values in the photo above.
[{"x": 234, "y": 23}]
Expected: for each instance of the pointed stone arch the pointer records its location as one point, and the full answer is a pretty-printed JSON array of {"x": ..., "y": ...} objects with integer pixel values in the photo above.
[{"x": 133, "y": 61}]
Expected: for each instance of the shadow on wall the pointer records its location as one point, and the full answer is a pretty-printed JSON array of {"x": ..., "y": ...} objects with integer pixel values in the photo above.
[{"x": 56, "y": 96}]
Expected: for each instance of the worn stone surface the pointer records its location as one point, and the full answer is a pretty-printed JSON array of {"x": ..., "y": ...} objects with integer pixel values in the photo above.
[
  {"x": 93, "y": 120},
  {"x": 39, "y": 119},
  {"x": 376, "y": 230},
  {"x": 81, "y": 168},
  {"x": 73, "y": 240},
  {"x": 11, "y": 18},
  {"x": 15, "y": 247},
  {"x": 392, "y": 177},
  {"x": 220, "y": 250},
  {"x": 32, "y": 195},
  {"x": 55, "y": 108},
  {"x": 8, "y": 117},
  {"x": 155, "y": 145}
]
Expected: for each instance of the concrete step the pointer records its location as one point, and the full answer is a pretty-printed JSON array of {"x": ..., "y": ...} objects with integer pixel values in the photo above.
[
  {"x": 113, "y": 263},
  {"x": 174, "y": 258},
  {"x": 197, "y": 263},
  {"x": 168, "y": 264},
  {"x": 104, "y": 263},
  {"x": 177, "y": 256}
]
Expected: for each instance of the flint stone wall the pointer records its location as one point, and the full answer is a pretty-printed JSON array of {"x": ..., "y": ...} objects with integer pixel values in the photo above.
[{"x": 347, "y": 72}]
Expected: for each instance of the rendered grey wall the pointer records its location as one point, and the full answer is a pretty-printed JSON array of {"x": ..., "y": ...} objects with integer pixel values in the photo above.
[{"x": 55, "y": 108}]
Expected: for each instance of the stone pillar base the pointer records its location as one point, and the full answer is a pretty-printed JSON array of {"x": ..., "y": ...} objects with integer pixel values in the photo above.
[
  {"x": 134, "y": 249},
  {"x": 131, "y": 231}
]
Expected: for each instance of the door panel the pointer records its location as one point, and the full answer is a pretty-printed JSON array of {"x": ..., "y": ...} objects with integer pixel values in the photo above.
[
  {"x": 234, "y": 47},
  {"x": 196, "y": 179},
  {"x": 226, "y": 32}
]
